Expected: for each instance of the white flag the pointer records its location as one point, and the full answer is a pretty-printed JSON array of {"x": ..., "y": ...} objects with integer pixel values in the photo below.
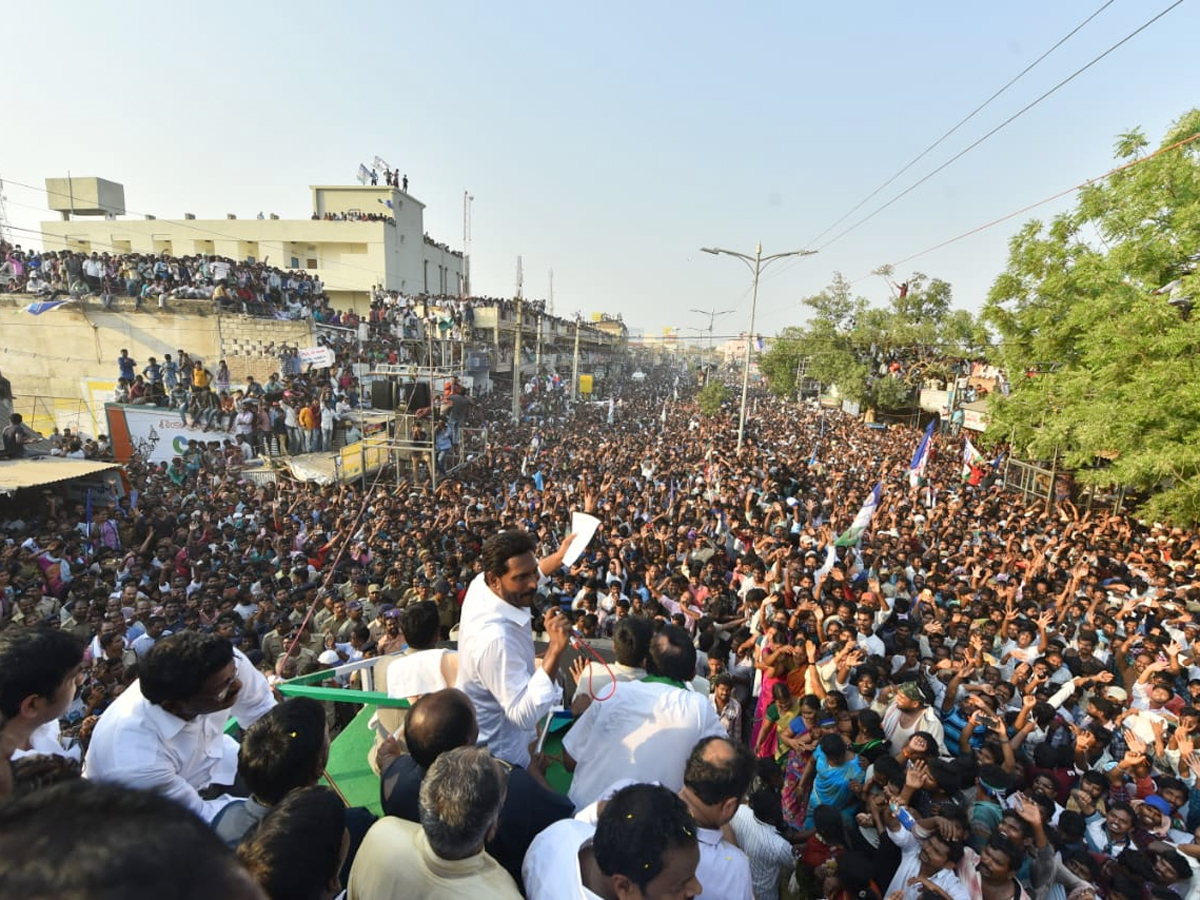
[{"x": 827, "y": 566}]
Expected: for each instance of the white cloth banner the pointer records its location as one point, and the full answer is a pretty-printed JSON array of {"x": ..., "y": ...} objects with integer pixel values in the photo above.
[
  {"x": 317, "y": 357},
  {"x": 584, "y": 527}
]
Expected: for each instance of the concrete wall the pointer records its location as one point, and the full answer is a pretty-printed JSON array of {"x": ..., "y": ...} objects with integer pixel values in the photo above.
[{"x": 63, "y": 358}]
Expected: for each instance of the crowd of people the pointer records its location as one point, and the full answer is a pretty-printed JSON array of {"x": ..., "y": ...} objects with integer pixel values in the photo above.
[
  {"x": 354, "y": 215},
  {"x": 252, "y": 288},
  {"x": 977, "y": 695},
  {"x": 290, "y": 413}
]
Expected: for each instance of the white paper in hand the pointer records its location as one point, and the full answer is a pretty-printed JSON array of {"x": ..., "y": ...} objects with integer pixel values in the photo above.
[{"x": 584, "y": 527}]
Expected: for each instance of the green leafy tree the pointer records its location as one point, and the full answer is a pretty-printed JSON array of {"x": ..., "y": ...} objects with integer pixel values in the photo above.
[
  {"x": 845, "y": 334},
  {"x": 1093, "y": 310},
  {"x": 711, "y": 397}
]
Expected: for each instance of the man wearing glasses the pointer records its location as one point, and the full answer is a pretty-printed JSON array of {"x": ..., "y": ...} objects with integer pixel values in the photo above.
[{"x": 166, "y": 732}]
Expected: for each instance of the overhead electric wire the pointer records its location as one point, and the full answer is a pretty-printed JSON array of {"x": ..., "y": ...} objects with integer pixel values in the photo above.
[
  {"x": 1024, "y": 209},
  {"x": 1183, "y": 142},
  {"x": 1002, "y": 125},
  {"x": 1024, "y": 109},
  {"x": 912, "y": 162}
]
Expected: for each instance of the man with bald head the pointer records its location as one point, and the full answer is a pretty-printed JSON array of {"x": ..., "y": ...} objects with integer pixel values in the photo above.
[
  {"x": 716, "y": 777},
  {"x": 441, "y": 721}
]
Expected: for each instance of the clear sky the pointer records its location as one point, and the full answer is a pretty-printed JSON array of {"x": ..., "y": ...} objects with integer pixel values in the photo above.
[{"x": 606, "y": 142}]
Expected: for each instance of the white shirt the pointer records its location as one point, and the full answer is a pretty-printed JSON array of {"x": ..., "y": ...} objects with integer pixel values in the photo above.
[
  {"x": 871, "y": 645},
  {"x": 45, "y": 740},
  {"x": 768, "y": 851},
  {"x": 601, "y": 682},
  {"x": 143, "y": 643},
  {"x": 724, "y": 870},
  {"x": 910, "y": 866},
  {"x": 645, "y": 732},
  {"x": 551, "y": 867},
  {"x": 497, "y": 670},
  {"x": 141, "y": 745},
  {"x": 416, "y": 673}
]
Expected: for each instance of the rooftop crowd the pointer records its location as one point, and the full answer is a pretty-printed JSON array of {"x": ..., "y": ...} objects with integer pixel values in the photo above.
[
  {"x": 252, "y": 288},
  {"x": 981, "y": 697}
]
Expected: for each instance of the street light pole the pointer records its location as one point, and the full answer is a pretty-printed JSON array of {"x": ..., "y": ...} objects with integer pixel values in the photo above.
[
  {"x": 713, "y": 315},
  {"x": 756, "y": 264},
  {"x": 465, "y": 287}
]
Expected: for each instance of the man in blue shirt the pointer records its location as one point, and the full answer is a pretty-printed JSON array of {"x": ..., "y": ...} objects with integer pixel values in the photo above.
[{"x": 127, "y": 366}]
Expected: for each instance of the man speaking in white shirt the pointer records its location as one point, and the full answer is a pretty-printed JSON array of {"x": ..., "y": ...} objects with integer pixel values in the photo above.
[
  {"x": 496, "y": 666},
  {"x": 166, "y": 732}
]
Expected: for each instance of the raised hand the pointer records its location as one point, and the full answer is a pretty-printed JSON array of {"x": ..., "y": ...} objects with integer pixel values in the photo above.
[
  {"x": 951, "y": 830},
  {"x": 1028, "y": 810},
  {"x": 916, "y": 775},
  {"x": 578, "y": 667},
  {"x": 1184, "y": 743}
]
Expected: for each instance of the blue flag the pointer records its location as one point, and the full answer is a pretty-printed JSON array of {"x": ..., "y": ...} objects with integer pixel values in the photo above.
[
  {"x": 37, "y": 307},
  {"x": 921, "y": 458}
]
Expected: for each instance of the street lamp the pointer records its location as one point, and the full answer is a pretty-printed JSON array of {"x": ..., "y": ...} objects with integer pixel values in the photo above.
[
  {"x": 713, "y": 314},
  {"x": 756, "y": 264},
  {"x": 465, "y": 288}
]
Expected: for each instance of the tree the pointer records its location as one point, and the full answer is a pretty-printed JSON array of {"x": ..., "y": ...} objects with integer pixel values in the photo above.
[
  {"x": 711, "y": 397},
  {"x": 847, "y": 340},
  {"x": 1093, "y": 310}
]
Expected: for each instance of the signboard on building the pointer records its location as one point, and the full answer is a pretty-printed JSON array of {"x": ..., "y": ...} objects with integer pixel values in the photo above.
[
  {"x": 974, "y": 419},
  {"x": 317, "y": 357},
  {"x": 935, "y": 401}
]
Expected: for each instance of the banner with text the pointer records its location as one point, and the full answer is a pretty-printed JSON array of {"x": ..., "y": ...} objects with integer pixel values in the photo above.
[
  {"x": 317, "y": 357},
  {"x": 156, "y": 434}
]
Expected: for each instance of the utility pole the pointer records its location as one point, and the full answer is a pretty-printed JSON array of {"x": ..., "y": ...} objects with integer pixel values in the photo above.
[
  {"x": 466, "y": 279},
  {"x": 575, "y": 364},
  {"x": 538, "y": 371},
  {"x": 756, "y": 263},
  {"x": 551, "y": 292},
  {"x": 713, "y": 315},
  {"x": 516, "y": 398}
]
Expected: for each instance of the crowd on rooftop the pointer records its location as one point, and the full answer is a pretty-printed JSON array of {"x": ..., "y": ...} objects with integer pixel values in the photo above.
[
  {"x": 251, "y": 288},
  {"x": 981, "y": 695},
  {"x": 354, "y": 215}
]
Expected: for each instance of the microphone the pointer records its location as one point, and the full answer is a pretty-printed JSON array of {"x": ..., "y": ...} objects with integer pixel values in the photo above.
[{"x": 577, "y": 640}]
